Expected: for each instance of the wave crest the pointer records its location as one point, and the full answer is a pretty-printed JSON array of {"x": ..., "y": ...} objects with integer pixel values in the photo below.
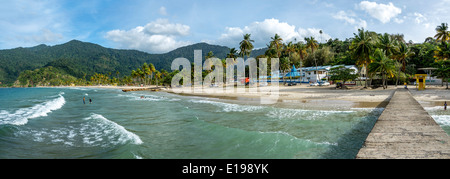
[
  {"x": 102, "y": 128},
  {"x": 21, "y": 116}
]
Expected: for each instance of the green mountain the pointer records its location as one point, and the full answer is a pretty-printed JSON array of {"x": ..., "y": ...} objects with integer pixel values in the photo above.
[{"x": 80, "y": 59}]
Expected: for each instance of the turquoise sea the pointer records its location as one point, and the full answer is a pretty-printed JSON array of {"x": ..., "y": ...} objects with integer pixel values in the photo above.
[{"x": 54, "y": 123}]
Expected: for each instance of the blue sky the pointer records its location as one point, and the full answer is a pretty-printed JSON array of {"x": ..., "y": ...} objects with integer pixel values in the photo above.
[{"x": 160, "y": 26}]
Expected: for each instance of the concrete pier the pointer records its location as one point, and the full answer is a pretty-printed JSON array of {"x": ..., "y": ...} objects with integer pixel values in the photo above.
[
  {"x": 405, "y": 131},
  {"x": 142, "y": 89}
]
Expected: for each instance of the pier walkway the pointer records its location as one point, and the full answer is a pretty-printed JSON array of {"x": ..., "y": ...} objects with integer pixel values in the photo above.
[{"x": 405, "y": 131}]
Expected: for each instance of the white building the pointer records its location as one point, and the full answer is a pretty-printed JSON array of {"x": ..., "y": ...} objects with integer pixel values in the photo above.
[{"x": 313, "y": 74}]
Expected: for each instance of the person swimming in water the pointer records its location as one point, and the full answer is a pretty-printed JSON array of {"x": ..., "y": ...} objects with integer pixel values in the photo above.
[
  {"x": 90, "y": 101},
  {"x": 445, "y": 105},
  {"x": 84, "y": 100}
]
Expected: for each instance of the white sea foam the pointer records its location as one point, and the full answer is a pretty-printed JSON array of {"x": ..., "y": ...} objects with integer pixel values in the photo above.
[
  {"x": 78, "y": 88},
  {"x": 434, "y": 108},
  {"x": 21, "y": 116},
  {"x": 137, "y": 97},
  {"x": 94, "y": 130},
  {"x": 443, "y": 120},
  {"x": 301, "y": 114},
  {"x": 296, "y": 138},
  {"x": 228, "y": 107},
  {"x": 367, "y": 109},
  {"x": 136, "y": 156},
  {"x": 100, "y": 127}
]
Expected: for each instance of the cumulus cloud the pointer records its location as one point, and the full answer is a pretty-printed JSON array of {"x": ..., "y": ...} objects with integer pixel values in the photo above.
[
  {"x": 350, "y": 18},
  {"x": 382, "y": 12},
  {"x": 156, "y": 37},
  {"x": 163, "y": 26},
  {"x": 261, "y": 32}
]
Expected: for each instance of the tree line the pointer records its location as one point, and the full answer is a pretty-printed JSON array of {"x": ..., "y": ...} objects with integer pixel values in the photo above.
[{"x": 386, "y": 56}]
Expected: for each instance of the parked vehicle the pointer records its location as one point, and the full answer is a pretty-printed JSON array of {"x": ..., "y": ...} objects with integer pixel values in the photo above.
[
  {"x": 324, "y": 83},
  {"x": 314, "y": 84}
]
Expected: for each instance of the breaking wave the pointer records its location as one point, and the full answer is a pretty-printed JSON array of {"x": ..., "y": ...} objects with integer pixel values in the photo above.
[{"x": 21, "y": 116}]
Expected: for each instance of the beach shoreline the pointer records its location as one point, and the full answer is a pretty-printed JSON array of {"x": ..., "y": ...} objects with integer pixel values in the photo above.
[{"x": 304, "y": 94}]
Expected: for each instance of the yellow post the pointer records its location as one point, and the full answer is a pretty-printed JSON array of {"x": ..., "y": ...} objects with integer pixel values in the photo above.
[{"x": 421, "y": 81}]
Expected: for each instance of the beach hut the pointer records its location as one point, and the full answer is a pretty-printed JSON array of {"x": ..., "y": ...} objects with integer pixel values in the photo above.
[{"x": 293, "y": 74}]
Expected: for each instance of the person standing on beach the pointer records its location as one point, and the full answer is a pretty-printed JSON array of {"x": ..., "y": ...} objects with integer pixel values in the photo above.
[
  {"x": 84, "y": 100},
  {"x": 445, "y": 105}
]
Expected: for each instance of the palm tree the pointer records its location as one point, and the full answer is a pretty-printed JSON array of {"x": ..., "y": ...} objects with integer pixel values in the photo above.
[
  {"x": 271, "y": 52},
  {"x": 444, "y": 71},
  {"x": 209, "y": 55},
  {"x": 290, "y": 48},
  {"x": 232, "y": 53},
  {"x": 442, "y": 52},
  {"x": 277, "y": 44},
  {"x": 383, "y": 65},
  {"x": 301, "y": 50},
  {"x": 152, "y": 70},
  {"x": 246, "y": 46},
  {"x": 429, "y": 40},
  {"x": 403, "y": 53},
  {"x": 157, "y": 77},
  {"x": 134, "y": 74},
  {"x": 387, "y": 44},
  {"x": 285, "y": 66},
  {"x": 140, "y": 74},
  {"x": 442, "y": 33},
  {"x": 146, "y": 71},
  {"x": 362, "y": 47},
  {"x": 312, "y": 43}
]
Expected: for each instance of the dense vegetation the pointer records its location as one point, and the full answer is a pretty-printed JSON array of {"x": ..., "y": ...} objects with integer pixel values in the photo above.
[
  {"x": 387, "y": 57},
  {"x": 83, "y": 60}
]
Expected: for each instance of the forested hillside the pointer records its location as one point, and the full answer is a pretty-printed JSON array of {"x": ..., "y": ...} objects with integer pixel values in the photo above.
[{"x": 82, "y": 59}]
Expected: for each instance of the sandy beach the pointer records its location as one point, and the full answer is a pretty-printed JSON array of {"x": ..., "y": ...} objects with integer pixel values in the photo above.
[
  {"x": 432, "y": 96},
  {"x": 305, "y": 96},
  {"x": 323, "y": 96}
]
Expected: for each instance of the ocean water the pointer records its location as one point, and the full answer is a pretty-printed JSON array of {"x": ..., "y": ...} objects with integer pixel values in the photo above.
[
  {"x": 54, "y": 123},
  {"x": 441, "y": 116}
]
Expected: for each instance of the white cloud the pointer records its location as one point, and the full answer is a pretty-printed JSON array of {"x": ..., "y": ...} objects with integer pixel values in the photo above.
[
  {"x": 350, "y": 18},
  {"x": 156, "y": 37},
  {"x": 398, "y": 21},
  {"x": 261, "y": 32},
  {"x": 163, "y": 26},
  {"x": 313, "y": 32},
  {"x": 419, "y": 18},
  {"x": 383, "y": 12},
  {"x": 29, "y": 23},
  {"x": 163, "y": 11}
]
